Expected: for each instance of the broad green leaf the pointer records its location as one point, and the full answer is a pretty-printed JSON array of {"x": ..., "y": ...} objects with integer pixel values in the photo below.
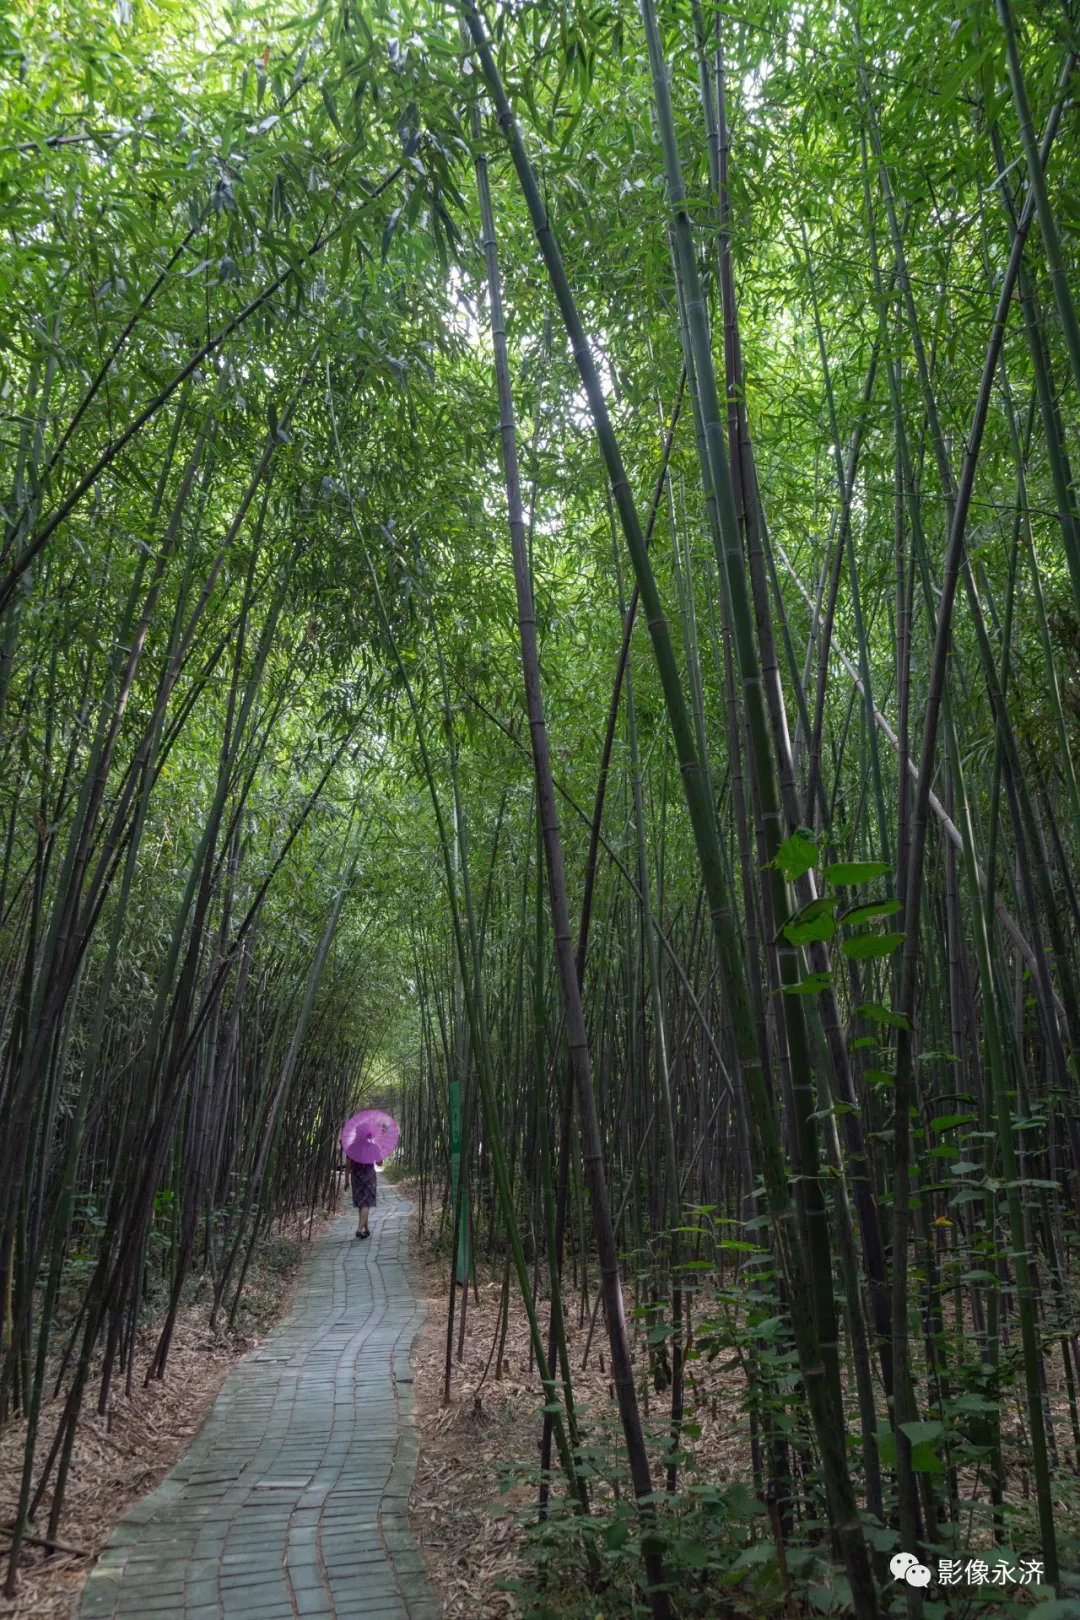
[
  {"x": 851, "y": 872},
  {"x": 973, "y": 1403},
  {"x": 922, "y": 1433},
  {"x": 816, "y": 921},
  {"x": 925, "y": 1460},
  {"x": 882, "y": 1015},
  {"x": 812, "y": 985},
  {"x": 822, "y": 1598},
  {"x": 796, "y": 854},
  {"x": 762, "y": 1552},
  {"x": 886, "y": 1444},
  {"x": 880, "y": 908},
  {"x": 947, "y": 1122},
  {"x": 740, "y": 1503}
]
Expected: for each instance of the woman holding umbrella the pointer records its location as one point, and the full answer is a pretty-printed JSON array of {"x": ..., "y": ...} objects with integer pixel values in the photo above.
[{"x": 366, "y": 1139}]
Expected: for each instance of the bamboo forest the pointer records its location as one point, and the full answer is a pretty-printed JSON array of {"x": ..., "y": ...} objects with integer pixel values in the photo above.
[{"x": 540, "y": 589}]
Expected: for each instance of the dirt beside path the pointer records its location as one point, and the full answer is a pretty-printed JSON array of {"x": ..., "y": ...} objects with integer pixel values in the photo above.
[
  {"x": 464, "y": 1524},
  {"x": 122, "y": 1456}
]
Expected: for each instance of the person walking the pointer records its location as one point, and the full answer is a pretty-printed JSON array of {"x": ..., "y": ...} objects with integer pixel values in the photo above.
[
  {"x": 364, "y": 1194},
  {"x": 367, "y": 1141}
]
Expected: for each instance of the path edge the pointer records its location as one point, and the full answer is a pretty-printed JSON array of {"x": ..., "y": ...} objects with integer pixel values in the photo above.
[{"x": 410, "y": 1570}]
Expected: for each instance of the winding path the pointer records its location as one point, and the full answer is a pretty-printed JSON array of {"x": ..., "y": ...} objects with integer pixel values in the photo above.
[{"x": 293, "y": 1500}]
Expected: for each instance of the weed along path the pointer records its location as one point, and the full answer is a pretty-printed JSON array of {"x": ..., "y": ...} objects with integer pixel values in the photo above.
[{"x": 293, "y": 1499}]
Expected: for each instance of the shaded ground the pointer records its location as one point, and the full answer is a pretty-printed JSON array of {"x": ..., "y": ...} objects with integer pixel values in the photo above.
[
  {"x": 475, "y": 1494},
  {"x": 292, "y": 1499},
  {"x": 128, "y": 1451}
]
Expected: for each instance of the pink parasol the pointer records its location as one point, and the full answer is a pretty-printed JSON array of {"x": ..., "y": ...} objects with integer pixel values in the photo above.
[{"x": 369, "y": 1136}]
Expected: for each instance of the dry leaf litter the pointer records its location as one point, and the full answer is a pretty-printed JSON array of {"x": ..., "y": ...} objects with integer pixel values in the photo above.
[
  {"x": 465, "y": 1515},
  {"x": 466, "y": 1520},
  {"x": 123, "y": 1455}
]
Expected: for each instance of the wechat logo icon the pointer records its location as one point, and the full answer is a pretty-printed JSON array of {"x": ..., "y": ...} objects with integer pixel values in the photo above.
[{"x": 906, "y": 1567}]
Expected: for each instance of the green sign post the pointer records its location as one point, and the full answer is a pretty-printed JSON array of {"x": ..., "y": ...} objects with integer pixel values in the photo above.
[{"x": 456, "y": 1189}]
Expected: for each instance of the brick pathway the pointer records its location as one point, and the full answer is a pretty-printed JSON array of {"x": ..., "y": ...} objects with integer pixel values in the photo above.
[{"x": 293, "y": 1500}]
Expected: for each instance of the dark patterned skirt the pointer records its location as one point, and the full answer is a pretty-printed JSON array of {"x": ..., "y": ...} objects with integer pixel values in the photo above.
[{"x": 363, "y": 1184}]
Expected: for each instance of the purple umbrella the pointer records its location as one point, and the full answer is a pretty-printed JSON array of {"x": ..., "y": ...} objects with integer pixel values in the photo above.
[{"x": 369, "y": 1136}]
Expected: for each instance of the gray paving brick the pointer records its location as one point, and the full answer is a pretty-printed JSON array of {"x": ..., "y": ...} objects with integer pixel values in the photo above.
[
  {"x": 200, "y": 1591},
  {"x": 316, "y": 1604},
  {"x": 293, "y": 1499}
]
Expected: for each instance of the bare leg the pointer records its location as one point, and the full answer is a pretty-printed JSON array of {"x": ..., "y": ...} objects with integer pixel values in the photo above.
[{"x": 362, "y": 1224}]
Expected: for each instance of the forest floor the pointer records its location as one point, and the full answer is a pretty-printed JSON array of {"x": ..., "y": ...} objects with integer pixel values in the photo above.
[
  {"x": 126, "y": 1453},
  {"x": 475, "y": 1494},
  {"x": 475, "y": 1487}
]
